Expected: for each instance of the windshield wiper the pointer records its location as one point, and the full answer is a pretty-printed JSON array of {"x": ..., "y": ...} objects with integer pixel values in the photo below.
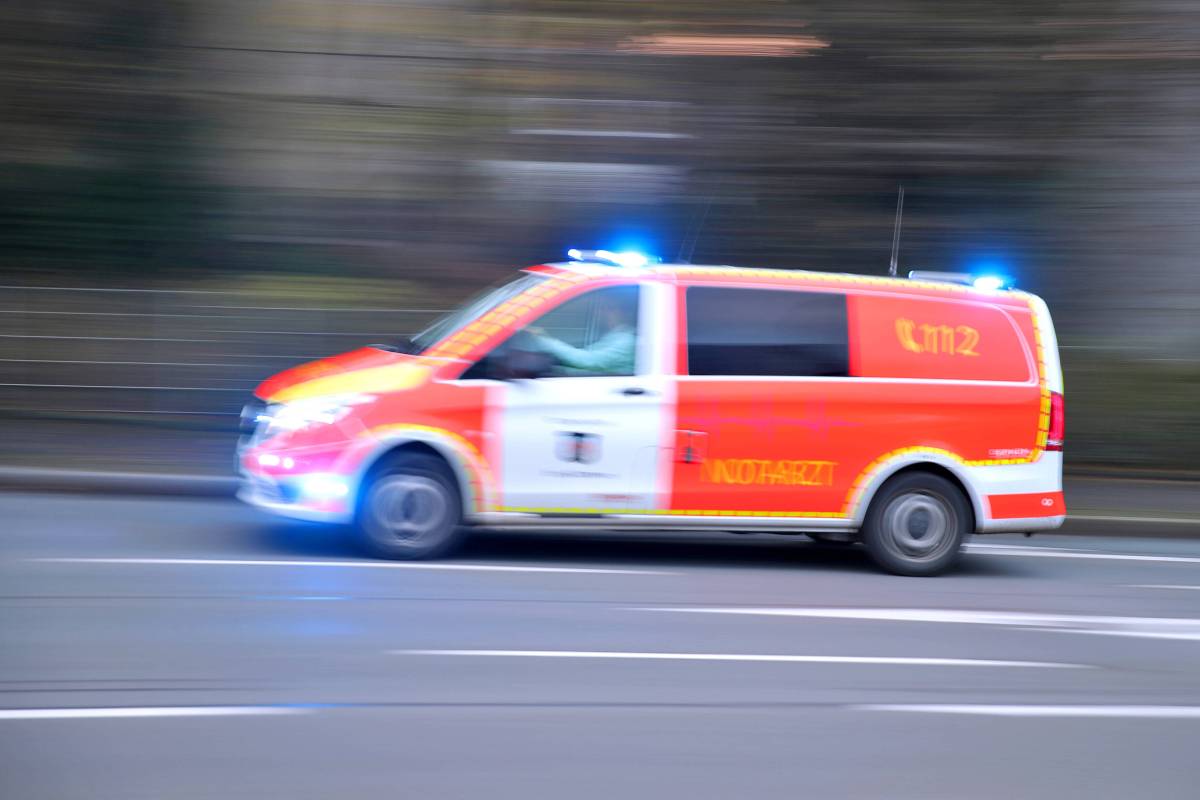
[{"x": 405, "y": 346}]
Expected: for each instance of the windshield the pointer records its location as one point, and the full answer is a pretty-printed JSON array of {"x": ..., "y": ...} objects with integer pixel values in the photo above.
[{"x": 471, "y": 310}]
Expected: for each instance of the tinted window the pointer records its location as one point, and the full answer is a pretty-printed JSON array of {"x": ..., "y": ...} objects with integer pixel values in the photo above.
[
  {"x": 591, "y": 335},
  {"x": 766, "y": 332}
]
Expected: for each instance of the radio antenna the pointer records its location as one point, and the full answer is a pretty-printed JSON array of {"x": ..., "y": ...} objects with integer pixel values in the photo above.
[
  {"x": 688, "y": 246},
  {"x": 896, "y": 231}
]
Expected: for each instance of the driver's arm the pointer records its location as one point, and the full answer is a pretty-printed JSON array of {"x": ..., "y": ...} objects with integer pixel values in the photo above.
[{"x": 612, "y": 354}]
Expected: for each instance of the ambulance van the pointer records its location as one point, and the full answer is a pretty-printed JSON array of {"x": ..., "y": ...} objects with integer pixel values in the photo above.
[{"x": 902, "y": 414}]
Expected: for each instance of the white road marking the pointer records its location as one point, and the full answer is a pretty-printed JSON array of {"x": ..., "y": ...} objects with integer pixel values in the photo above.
[
  {"x": 1045, "y": 552},
  {"x": 1179, "y": 629},
  {"x": 1178, "y": 636},
  {"x": 149, "y": 711},
  {"x": 1160, "y": 586},
  {"x": 990, "y": 546},
  {"x": 223, "y": 562},
  {"x": 891, "y": 660},
  {"x": 1148, "y": 712}
]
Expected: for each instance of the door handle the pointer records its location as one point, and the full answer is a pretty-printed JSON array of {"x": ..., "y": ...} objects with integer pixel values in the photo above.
[{"x": 634, "y": 391}]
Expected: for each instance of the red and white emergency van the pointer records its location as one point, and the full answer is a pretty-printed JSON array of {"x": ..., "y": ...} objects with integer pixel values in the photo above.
[{"x": 902, "y": 413}]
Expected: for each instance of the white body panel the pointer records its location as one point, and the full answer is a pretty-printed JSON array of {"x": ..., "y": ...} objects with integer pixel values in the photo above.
[
  {"x": 584, "y": 445},
  {"x": 1051, "y": 362},
  {"x": 593, "y": 444}
]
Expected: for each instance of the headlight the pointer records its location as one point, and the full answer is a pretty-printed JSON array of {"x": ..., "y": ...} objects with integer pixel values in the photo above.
[
  {"x": 252, "y": 412},
  {"x": 306, "y": 413}
]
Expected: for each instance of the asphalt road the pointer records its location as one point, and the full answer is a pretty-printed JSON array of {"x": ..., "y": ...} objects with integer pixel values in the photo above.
[{"x": 195, "y": 649}]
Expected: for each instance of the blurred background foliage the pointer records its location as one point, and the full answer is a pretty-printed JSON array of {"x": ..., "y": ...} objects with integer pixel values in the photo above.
[{"x": 291, "y": 148}]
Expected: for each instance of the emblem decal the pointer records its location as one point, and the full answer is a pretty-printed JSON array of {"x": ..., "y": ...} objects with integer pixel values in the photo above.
[{"x": 577, "y": 448}]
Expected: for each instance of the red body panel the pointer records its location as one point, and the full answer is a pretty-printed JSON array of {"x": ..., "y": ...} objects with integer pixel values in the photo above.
[
  {"x": 1026, "y": 506},
  {"x": 798, "y": 446}
]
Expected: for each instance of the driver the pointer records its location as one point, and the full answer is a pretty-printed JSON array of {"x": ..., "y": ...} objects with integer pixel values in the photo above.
[{"x": 613, "y": 351}]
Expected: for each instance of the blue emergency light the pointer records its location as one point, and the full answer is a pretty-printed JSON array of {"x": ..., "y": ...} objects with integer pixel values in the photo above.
[
  {"x": 985, "y": 281},
  {"x": 630, "y": 259},
  {"x": 989, "y": 282}
]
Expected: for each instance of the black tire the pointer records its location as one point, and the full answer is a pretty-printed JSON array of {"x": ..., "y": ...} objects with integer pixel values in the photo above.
[
  {"x": 917, "y": 524},
  {"x": 410, "y": 508}
]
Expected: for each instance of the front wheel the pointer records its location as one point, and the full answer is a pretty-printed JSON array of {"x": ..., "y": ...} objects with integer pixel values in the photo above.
[
  {"x": 917, "y": 524},
  {"x": 410, "y": 508}
]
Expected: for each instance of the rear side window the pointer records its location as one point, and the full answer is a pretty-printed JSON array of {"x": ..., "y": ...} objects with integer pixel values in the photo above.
[{"x": 766, "y": 332}]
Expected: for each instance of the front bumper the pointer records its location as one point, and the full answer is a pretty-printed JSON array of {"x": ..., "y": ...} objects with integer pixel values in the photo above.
[
  {"x": 263, "y": 492},
  {"x": 281, "y": 493}
]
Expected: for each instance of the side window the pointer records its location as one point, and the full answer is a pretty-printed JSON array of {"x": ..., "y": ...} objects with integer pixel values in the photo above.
[
  {"x": 766, "y": 332},
  {"x": 590, "y": 335}
]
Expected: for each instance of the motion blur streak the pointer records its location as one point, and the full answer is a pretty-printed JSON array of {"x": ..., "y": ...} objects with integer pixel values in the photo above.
[{"x": 677, "y": 45}]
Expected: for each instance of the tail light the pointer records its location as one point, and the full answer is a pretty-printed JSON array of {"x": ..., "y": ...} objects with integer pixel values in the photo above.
[{"x": 1054, "y": 436}]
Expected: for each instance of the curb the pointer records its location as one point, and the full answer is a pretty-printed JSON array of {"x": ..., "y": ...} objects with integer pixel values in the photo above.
[{"x": 68, "y": 480}]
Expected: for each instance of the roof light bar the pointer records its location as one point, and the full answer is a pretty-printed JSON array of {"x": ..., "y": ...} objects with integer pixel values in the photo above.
[
  {"x": 988, "y": 282},
  {"x": 630, "y": 259}
]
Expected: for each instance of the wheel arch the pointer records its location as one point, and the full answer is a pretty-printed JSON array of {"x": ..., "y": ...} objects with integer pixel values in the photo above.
[
  {"x": 464, "y": 461},
  {"x": 942, "y": 464}
]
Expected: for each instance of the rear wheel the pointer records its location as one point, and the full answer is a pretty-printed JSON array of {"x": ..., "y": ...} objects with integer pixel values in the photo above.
[
  {"x": 410, "y": 508},
  {"x": 917, "y": 524}
]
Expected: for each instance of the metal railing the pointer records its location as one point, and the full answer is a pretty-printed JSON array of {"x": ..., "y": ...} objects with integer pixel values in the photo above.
[{"x": 165, "y": 351}]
